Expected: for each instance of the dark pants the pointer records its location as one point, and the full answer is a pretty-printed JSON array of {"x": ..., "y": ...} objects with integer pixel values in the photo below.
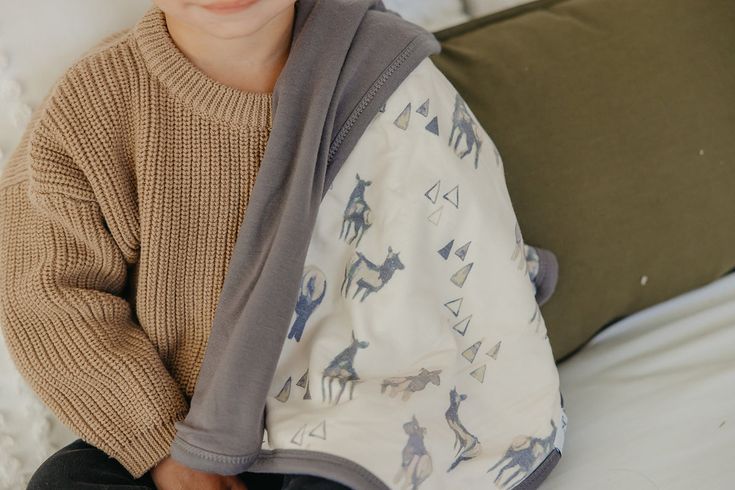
[{"x": 82, "y": 466}]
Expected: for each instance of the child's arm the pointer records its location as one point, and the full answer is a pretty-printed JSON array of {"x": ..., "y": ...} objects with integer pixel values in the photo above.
[{"x": 68, "y": 331}]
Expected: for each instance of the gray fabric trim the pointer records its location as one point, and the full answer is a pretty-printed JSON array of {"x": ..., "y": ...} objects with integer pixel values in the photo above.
[
  {"x": 537, "y": 476},
  {"x": 363, "y": 114},
  {"x": 347, "y": 57},
  {"x": 301, "y": 461},
  {"x": 295, "y": 461},
  {"x": 346, "y": 472},
  {"x": 298, "y": 461},
  {"x": 548, "y": 275}
]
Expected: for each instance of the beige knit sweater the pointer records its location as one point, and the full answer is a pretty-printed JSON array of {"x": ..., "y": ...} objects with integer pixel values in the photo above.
[{"x": 119, "y": 211}]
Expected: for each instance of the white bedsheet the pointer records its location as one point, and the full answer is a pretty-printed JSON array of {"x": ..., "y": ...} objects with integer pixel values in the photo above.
[{"x": 651, "y": 399}]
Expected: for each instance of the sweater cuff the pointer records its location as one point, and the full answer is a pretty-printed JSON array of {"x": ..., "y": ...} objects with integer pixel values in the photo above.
[{"x": 148, "y": 448}]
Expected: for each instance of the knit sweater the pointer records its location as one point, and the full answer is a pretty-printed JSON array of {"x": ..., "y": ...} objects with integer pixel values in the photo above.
[{"x": 119, "y": 211}]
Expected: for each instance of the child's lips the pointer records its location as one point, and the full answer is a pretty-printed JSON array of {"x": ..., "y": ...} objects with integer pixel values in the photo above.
[{"x": 229, "y": 7}]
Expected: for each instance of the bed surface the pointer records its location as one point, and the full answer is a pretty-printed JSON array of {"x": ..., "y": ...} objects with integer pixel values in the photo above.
[{"x": 650, "y": 400}]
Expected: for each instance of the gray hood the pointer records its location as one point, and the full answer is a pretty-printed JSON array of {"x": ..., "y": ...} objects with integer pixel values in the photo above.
[{"x": 347, "y": 57}]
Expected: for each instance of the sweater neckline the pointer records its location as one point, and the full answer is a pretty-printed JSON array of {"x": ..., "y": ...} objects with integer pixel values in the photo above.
[{"x": 195, "y": 88}]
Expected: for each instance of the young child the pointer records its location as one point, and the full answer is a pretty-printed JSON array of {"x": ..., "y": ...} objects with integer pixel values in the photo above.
[
  {"x": 119, "y": 211},
  {"x": 172, "y": 175}
]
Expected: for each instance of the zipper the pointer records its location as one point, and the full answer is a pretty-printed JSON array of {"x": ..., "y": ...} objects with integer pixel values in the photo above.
[{"x": 369, "y": 97}]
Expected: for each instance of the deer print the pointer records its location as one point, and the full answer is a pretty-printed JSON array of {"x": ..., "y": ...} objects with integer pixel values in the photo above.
[
  {"x": 464, "y": 123},
  {"x": 524, "y": 452},
  {"x": 409, "y": 385},
  {"x": 342, "y": 370},
  {"x": 532, "y": 264},
  {"x": 369, "y": 276},
  {"x": 536, "y": 317},
  {"x": 415, "y": 461},
  {"x": 518, "y": 254},
  {"x": 311, "y": 294},
  {"x": 357, "y": 212},
  {"x": 469, "y": 445}
]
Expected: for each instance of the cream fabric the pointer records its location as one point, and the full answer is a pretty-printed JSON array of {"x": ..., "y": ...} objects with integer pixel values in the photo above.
[{"x": 417, "y": 348}]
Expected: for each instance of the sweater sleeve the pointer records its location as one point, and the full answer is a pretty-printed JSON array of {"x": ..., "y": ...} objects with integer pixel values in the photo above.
[{"x": 69, "y": 331}]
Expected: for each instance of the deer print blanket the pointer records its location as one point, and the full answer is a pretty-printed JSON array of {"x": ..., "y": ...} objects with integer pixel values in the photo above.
[
  {"x": 417, "y": 356},
  {"x": 379, "y": 322}
]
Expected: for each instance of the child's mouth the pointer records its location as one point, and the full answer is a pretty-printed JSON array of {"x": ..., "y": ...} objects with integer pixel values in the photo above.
[{"x": 229, "y": 7}]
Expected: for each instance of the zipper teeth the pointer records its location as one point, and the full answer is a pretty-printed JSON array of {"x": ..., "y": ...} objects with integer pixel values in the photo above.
[{"x": 368, "y": 98}]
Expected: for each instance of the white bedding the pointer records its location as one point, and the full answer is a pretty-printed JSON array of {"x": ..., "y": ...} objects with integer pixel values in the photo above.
[{"x": 651, "y": 399}]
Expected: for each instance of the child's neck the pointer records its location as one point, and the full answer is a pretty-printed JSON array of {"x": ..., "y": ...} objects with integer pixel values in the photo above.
[{"x": 250, "y": 64}]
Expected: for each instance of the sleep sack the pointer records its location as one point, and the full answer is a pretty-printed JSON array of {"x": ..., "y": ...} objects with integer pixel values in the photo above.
[{"x": 417, "y": 356}]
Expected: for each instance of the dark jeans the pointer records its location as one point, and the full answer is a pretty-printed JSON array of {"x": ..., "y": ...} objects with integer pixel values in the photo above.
[{"x": 81, "y": 466}]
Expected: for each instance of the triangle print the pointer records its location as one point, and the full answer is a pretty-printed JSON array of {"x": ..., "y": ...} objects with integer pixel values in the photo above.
[
  {"x": 470, "y": 352},
  {"x": 494, "y": 351},
  {"x": 459, "y": 277},
  {"x": 302, "y": 380},
  {"x": 446, "y": 250},
  {"x": 453, "y": 196},
  {"x": 320, "y": 431},
  {"x": 298, "y": 438},
  {"x": 433, "y": 193},
  {"x": 461, "y": 326},
  {"x": 433, "y": 126},
  {"x": 424, "y": 109},
  {"x": 461, "y": 252},
  {"x": 436, "y": 216},
  {"x": 403, "y": 118},
  {"x": 285, "y": 391},
  {"x": 479, "y": 373},
  {"x": 454, "y": 306}
]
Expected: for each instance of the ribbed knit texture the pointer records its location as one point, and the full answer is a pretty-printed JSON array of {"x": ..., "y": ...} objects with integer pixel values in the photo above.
[{"x": 119, "y": 212}]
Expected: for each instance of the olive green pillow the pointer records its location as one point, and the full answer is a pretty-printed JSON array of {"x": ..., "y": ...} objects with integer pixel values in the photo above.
[{"x": 616, "y": 123}]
